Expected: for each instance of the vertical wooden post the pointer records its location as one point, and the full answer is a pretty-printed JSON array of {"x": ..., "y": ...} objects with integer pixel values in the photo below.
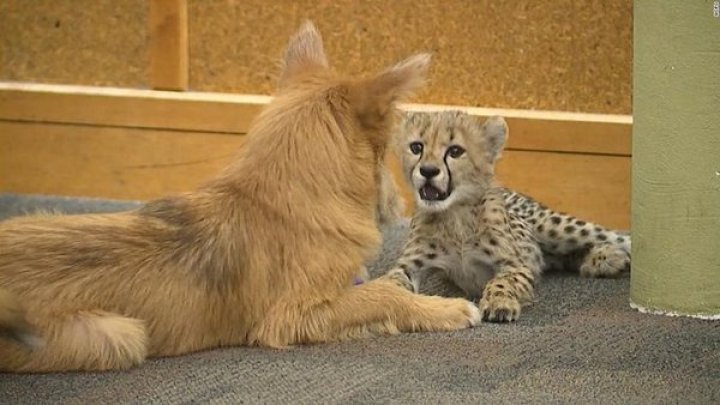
[
  {"x": 676, "y": 158},
  {"x": 168, "y": 45}
]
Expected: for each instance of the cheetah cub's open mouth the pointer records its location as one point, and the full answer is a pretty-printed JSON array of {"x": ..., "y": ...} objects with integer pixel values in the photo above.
[{"x": 428, "y": 192}]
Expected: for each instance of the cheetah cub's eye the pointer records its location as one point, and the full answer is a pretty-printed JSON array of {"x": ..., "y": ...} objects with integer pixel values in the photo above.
[
  {"x": 455, "y": 151},
  {"x": 416, "y": 148}
]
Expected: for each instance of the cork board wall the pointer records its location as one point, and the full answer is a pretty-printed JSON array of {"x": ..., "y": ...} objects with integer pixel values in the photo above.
[
  {"x": 564, "y": 55},
  {"x": 89, "y": 42}
]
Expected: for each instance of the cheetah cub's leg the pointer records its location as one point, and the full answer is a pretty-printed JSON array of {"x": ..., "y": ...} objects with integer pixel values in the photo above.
[
  {"x": 420, "y": 255},
  {"x": 590, "y": 248},
  {"x": 601, "y": 252},
  {"x": 516, "y": 256},
  {"x": 605, "y": 260}
]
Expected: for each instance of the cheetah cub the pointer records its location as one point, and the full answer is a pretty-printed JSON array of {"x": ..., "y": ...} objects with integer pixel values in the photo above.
[{"x": 493, "y": 243}]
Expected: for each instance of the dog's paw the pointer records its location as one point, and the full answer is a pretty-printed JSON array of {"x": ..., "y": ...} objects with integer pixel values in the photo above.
[
  {"x": 474, "y": 314},
  {"x": 449, "y": 314},
  {"x": 499, "y": 308},
  {"x": 401, "y": 278}
]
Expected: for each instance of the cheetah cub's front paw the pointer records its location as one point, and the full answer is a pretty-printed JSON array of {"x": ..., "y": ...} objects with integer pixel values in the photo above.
[
  {"x": 499, "y": 308},
  {"x": 605, "y": 260},
  {"x": 401, "y": 278}
]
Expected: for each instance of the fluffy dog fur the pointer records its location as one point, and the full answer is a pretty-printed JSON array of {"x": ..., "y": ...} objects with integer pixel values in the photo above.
[{"x": 264, "y": 254}]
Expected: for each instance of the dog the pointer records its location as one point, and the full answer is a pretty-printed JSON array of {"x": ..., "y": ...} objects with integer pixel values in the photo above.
[{"x": 263, "y": 254}]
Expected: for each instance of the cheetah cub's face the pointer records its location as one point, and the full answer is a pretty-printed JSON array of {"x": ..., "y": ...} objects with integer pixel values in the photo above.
[{"x": 449, "y": 157}]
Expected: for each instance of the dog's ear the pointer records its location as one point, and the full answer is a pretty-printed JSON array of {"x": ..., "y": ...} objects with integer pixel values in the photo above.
[
  {"x": 377, "y": 95},
  {"x": 494, "y": 133},
  {"x": 304, "y": 52}
]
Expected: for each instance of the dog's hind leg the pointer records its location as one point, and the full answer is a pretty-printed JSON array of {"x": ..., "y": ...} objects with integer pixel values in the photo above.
[{"x": 86, "y": 340}]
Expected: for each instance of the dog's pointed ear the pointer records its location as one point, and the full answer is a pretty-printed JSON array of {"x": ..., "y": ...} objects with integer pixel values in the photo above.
[
  {"x": 397, "y": 83},
  {"x": 304, "y": 52},
  {"x": 495, "y": 133}
]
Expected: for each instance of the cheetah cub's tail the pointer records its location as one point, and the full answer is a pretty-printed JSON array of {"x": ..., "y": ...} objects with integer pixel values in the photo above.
[{"x": 13, "y": 325}]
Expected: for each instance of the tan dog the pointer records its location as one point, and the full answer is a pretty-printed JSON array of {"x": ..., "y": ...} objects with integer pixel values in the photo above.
[{"x": 264, "y": 254}]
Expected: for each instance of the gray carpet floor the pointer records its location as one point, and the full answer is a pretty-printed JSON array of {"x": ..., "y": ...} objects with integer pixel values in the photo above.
[{"x": 579, "y": 343}]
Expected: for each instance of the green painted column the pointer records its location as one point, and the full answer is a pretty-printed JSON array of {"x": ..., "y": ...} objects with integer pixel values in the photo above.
[{"x": 676, "y": 158}]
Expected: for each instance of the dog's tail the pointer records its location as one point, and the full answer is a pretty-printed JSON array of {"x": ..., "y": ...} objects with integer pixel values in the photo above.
[{"x": 13, "y": 324}]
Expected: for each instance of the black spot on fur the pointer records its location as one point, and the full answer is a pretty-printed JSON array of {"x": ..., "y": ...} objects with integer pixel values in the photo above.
[
  {"x": 418, "y": 263},
  {"x": 572, "y": 241},
  {"x": 431, "y": 256},
  {"x": 493, "y": 241},
  {"x": 433, "y": 246},
  {"x": 601, "y": 236},
  {"x": 552, "y": 233},
  {"x": 620, "y": 239},
  {"x": 540, "y": 228},
  {"x": 569, "y": 229},
  {"x": 584, "y": 232},
  {"x": 555, "y": 220},
  {"x": 487, "y": 252},
  {"x": 580, "y": 223}
]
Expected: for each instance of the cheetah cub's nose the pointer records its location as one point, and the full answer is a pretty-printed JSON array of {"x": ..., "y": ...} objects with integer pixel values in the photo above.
[{"x": 429, "y": 171}]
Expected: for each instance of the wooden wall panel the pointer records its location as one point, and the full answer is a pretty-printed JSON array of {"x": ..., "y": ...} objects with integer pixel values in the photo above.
[
  {"x": 593, "y": 187},
  {"x": 120, "y": 163},
  {"x": 141, "y": 144},
  {"x": 127, "y": 163}
]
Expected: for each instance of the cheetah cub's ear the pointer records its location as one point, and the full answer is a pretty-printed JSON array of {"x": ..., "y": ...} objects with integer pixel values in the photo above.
[{"x": 494, "y": 134}]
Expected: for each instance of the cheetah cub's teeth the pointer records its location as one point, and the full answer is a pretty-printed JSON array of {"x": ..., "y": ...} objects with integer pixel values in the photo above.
[{"x": 431, "y": 193}]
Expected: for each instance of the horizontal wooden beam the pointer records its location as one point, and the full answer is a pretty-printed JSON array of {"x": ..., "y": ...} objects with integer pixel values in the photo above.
[
  {"x": 548, "y": 131},
  {"x": 129, "y": 108}
]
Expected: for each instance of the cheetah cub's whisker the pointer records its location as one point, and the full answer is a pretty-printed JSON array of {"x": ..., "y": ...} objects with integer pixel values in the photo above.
[{"x": 491, "y": 242}]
